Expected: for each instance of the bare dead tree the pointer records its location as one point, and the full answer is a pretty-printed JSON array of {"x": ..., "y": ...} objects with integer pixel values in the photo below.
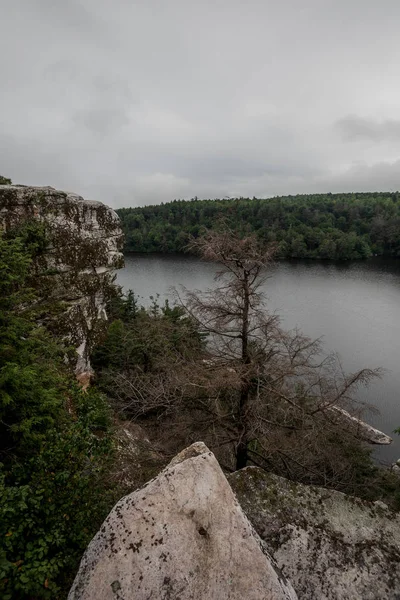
[{"x": 260, "y": 385}]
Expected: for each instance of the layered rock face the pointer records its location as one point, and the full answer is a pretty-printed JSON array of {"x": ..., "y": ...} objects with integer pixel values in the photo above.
[
  {"x": 76, "y": 266},
  {"x": 329, "y": 545},
  {"x": 182, "y": 536}
]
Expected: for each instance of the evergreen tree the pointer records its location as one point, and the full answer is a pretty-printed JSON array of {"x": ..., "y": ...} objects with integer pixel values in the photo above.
[{"x": 52, "y": 496}]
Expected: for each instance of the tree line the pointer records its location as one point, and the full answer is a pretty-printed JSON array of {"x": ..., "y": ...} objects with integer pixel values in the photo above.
[{"x": 320, "y": 226}]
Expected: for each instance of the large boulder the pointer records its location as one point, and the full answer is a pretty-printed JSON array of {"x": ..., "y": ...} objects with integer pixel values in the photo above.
[
  {"x": 331, "y": 546},
  {"x": 76, "y": 266},
  {"x": 182, "y": 536}
]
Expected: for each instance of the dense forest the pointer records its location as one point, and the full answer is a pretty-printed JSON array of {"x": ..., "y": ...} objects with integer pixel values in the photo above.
[{"x": 321, "y": 226}]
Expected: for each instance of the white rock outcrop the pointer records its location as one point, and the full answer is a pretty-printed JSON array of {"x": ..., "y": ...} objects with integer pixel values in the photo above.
[
  {"x": 360, "y": 428},
  {"x": 329, "y": 545},
  {"x": 182, "y": 536},
  {"x": 83, "y": 240}
]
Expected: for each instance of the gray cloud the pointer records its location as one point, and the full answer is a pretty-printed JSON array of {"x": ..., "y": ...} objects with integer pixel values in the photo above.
[
  {"x": 355, "y": 128},
  {"x": 141, "y": 102},
  {"x": 102, "y": 121}
]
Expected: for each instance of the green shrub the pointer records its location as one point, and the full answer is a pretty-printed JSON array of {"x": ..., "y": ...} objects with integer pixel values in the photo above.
[{"x": 52, "y": 503}]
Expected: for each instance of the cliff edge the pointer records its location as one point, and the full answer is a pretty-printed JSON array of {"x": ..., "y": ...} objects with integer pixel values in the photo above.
[{"x": 76, "y": 267}]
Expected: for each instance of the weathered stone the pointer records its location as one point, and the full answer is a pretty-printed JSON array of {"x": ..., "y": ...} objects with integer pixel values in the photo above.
[
  {"x": 329, "y": 545},
  {"x": 183, "y": 536},
  {"x": 360, "y": 428},
  {"x": 77, "y": 267}
]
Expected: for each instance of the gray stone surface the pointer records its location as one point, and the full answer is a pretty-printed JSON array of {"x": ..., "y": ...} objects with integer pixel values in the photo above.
[
  {"x": 84, "y": 240},
  {"x": 329, "y": 545},
  {"x": 183, "y": 536}
]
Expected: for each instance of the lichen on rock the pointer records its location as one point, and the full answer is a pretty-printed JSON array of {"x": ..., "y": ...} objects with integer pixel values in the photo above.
[{"x": 329, "y": 545}]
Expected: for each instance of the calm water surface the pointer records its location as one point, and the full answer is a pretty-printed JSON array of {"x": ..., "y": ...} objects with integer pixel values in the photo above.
[{"x": 354, "y": 307}]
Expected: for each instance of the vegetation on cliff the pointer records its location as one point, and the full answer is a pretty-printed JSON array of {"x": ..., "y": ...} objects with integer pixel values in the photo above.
[
  {"x": 54, "y": 441},
  {"x": 323, "y": 226}
]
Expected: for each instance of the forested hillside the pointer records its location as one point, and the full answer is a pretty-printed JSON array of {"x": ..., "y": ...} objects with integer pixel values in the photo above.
[{"x": 325, "y": 226}]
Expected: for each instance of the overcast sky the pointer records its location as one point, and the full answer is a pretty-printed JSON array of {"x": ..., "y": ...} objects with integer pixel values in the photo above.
[{"x": 135, "y": 102}]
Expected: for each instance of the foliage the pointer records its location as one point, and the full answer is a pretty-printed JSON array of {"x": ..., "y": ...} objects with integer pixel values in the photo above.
[
  {"x": 143, "y": 353},
  {"x": 52, "y": 460},
  {"x": 50, "y": 505},
  {"x": 5, "y": 180},
  {"x": 323, "y": 226},
  {"x": 25, "y": 371}
]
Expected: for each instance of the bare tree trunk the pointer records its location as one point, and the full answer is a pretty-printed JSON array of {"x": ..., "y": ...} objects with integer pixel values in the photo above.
[
  {"x": 241, "y": 449},
  {"x": 241, "y": 455}
]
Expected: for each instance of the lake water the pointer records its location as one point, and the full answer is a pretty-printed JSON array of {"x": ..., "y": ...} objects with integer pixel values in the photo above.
[{"x": 354, "y": 307}]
